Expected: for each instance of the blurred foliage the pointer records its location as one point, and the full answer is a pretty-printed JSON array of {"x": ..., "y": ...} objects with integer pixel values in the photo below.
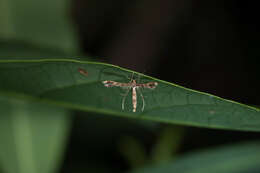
[
  {"x": 33, "y": 136},
  {"x": 38, "y": 22},
  {"x": 239, "y": 158}
]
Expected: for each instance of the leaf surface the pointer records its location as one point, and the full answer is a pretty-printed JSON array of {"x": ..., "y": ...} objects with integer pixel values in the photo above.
[{"x": 59, "y": 81}]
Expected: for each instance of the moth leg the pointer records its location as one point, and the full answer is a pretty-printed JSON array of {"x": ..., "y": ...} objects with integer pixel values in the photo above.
[
  {"x": 124, "y": 96},
  {"x": 138, "y": 79},
  {"x": 142, "y": 99},
  {"x": 132, "y": 77}
]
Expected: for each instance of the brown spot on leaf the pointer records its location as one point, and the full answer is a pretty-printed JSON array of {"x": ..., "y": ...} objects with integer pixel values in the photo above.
[{"x": 83, "y": 72}]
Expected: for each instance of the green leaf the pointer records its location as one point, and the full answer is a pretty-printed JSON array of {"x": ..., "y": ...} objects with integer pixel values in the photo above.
[
  {"x": 239, "y": 158},
  {"x": 59, "y": 82},
  {"x": 39, "y": 22},
  {"x": 33, "y": 136}
]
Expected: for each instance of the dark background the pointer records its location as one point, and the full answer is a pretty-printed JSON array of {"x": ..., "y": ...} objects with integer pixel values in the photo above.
[{"x": 210, "y": 46}]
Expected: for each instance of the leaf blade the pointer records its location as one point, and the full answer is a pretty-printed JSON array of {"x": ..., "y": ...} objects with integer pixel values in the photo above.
[{"x": 59, "y": 81}]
